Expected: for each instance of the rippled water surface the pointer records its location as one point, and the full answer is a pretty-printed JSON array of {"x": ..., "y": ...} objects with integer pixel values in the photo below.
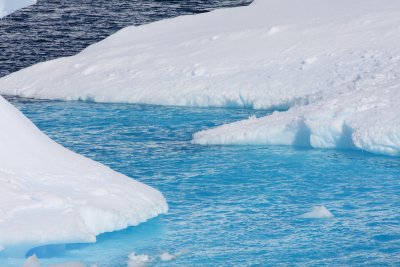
[
  {"x": 56, "y": 28},
  {"x": 229, "y": 205}
]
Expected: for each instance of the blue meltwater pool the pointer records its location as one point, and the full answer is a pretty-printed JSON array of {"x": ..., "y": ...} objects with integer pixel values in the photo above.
[{"x": 229, "y": 205}]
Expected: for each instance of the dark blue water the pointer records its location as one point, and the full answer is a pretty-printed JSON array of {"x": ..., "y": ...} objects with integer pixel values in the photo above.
[
  {"x": 229, "y": 205},
  {"x": 57, "y": 28}
]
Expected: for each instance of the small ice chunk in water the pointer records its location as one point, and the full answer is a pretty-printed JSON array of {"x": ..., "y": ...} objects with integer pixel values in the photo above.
[
  {"x": 317, "y": 212},
  {"x": 166, "y": 256},
  {"x": 68, "y": 264},
  {"x": 137, "y": 260},
  {"x": 32, "y": 261}
]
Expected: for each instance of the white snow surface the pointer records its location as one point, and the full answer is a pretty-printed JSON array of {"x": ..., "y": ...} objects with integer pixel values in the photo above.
[
  {"x": 9, "y": 6},
  {"x": 51, "y": 195},
  {"x": 334, "y": 64},
  {"x": 318, "y": 212}
]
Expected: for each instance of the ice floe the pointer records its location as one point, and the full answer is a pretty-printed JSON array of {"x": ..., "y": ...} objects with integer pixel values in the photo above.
[
  {"x": 318, "y": 212},
  {"x": 135, "y": 260},
  {"x": 166, "y": 256},
  {"x": 270, "y": 54},
  {"x": 49, "y": 194},
  {"x": 32, "y": 261}
]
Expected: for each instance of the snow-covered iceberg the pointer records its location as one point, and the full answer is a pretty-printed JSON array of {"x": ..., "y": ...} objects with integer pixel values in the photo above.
[
  {"x": 334, "y": 64},
  {"x": 51, "y": 195},
  {"x": 9, "y": 6}
]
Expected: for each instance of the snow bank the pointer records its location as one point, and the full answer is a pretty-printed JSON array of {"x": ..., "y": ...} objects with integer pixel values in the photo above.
[
  {"x": 318, "y": 212},
  {"x": 9, "y": 6},
  {"x": 335, "y": 64},
  {"x": 50, "y": 195}
]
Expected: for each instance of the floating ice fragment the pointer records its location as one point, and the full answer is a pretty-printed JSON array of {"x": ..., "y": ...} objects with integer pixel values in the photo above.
[
  {"x": 32, "y": 261},
  {"x": 317, "y": 212},
  {"x": 68, "y": 264},
  {"x": 166, "y": 256},
  {"x": 137, "y": 260}
]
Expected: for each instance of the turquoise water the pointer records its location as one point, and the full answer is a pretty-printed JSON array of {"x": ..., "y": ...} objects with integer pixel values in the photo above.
[{"x": 229, "y": 205}]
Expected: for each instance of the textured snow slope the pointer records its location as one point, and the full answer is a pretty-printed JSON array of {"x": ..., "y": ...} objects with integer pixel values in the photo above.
[
  {"x": 9, "y": 6},
  {"x": 335, "y": 63},
  {"x": 49, "y": 194}
]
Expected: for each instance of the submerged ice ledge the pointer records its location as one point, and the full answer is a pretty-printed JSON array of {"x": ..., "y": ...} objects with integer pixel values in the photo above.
[{"x": 50, "y": 195}]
